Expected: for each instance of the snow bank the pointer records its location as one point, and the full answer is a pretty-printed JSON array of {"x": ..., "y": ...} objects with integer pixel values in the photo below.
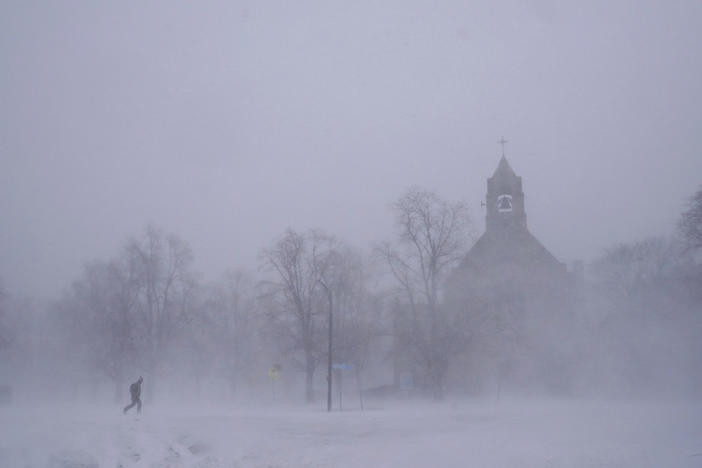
[{"x": 457, "y": 434}]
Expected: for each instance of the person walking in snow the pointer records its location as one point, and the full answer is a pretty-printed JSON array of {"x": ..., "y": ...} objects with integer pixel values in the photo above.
[{"x": 135, "y": 392}]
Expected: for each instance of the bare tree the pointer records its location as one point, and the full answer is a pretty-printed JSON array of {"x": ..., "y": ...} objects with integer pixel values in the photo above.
[
  {"x": 431, "y": 237},
  {"x": 232, "y": 326},
  {"x": 357, "y": 315},
  {"x": 97, "y": 314},
  {"x": 162, "y": 268},
  {"x": 302, "y": 265},
  {"x": 690, "y": 223},
  {"x": 647, "y": 293},
  {"x": 4, "y": 327},
  {"x": 122, "y": 315},
  {"x": 634, "y": 274}
]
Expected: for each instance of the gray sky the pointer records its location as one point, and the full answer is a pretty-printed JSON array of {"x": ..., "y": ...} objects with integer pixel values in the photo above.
[{"x": 228, "y": 122}]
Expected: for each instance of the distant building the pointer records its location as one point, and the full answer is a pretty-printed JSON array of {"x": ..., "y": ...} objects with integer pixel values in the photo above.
[{"x": 516, "y": 296}]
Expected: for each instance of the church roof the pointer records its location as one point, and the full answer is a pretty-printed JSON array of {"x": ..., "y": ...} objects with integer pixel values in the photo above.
[
  {"x": 504, "y": 169},
  {"x": 518, "y": 248}
]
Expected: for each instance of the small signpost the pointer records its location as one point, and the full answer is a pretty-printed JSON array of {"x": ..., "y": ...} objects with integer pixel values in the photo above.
[{"x": 274, "y": 375}]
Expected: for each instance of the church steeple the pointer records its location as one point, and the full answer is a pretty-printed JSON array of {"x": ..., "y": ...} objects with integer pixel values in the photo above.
[
  {"x": 504, "y": 169},
  {"x": 504, "y": 199}
]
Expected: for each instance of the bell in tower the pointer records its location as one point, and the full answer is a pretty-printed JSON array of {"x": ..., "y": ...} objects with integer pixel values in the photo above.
[{"x": 504, "y": 203}]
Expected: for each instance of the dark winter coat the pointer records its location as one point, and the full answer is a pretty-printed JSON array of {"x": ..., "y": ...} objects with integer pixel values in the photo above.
[{"x": 135, "y": 390}]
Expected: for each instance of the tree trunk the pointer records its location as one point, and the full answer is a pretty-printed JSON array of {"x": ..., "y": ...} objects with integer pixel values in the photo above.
[
  {"x": 438, "y": 373},
  {"x": 359, "y": 386},
  {"x": 309, "y": 380},
  {"x": 438, "y": 392}
]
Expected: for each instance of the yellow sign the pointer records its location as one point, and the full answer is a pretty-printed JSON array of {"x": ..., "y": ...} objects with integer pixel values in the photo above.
[{"x": 274, "y": 373}]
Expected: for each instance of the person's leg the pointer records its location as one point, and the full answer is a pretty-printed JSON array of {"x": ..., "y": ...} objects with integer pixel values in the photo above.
[
  {"x": 128, "y": 407},
  {"x": 139, "y": 405}
]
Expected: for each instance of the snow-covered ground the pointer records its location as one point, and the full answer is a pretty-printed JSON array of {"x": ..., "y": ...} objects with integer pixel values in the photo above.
[{"x": 521, "y": 433}]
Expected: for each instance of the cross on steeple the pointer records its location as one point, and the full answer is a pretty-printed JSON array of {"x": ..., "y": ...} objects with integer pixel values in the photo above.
[{"x": 502, "y": 142}]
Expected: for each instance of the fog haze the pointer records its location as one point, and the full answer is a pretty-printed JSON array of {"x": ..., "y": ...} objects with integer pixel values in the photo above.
[
  {"x": 272, "y": 216},
  {"x": 228, "y": 122}
]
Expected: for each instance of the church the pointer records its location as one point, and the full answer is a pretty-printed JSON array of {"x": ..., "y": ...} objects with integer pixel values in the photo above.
[{"x": 518, "y": 299}]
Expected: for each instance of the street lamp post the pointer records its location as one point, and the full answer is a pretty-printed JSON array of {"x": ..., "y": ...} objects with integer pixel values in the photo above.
[{"x": 329, "y": 352}]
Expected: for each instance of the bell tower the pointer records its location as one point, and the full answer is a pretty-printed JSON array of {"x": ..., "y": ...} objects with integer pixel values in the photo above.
[{"x": 504, "y": 200}]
